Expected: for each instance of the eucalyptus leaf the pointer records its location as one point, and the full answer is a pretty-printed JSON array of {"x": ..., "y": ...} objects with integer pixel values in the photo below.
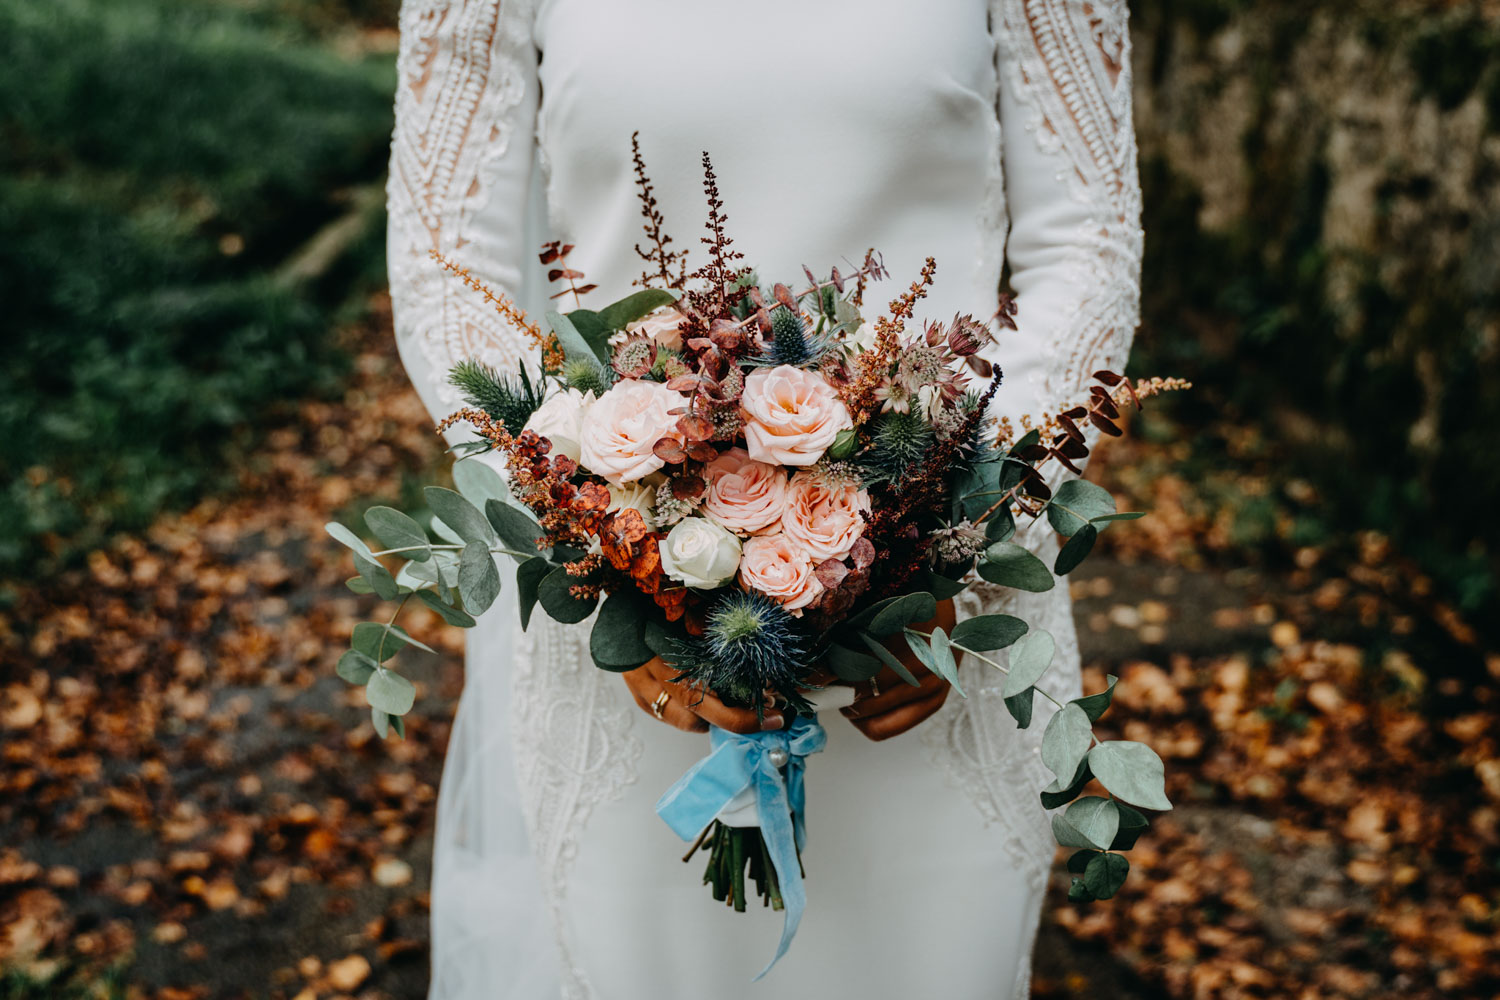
[
  {"x": 1058, "y": 794},
  {"x": 572, "y": 342},
  {"x": 528, "y": 579},
  {"x": 1105, "y": 874},
  {"x": 851, "y": 666},
  {"x": 1030, "y": 656},
  {"x": 1020, "y": 706},
  {"x": 1065, "y": 833},
  {"x": 446, "y": 533},
  {"x": 984, "y": 633},
  {"x": 942, "y": 587},
  {"x": 460, "y": 515},
  {"x": 381, "y": 720},
  {"x": 1079, "y": 860},
  {"x": 378, "y": 577},
  {"x": 398, "y": 531},
  {"x": 1066, "y": 740},
  {"x": 888, "y": 658},
  {"x": 662, "y": 637},
  {"x": 618, "y": 642},
  {"x": 398, "y": 724},
  {"x": 919, "y": 647},
  {"x": 1010, "y": 565},
  {"x": 1001, "y": 525},
  {"x": 635, "y": 305},
  {"x": 1075, "y": 503},
  {"x": 1078, "y": 892},
  {"x": 348, "y": 538},
  {"x": 904, "y": 611},
  {"x": 1132, "y": 825},
  {"x": 449, "y": 614},
  {"x": 1131, "y": 771},
  {"x": 861, "y": 620},
  {"x": 381, "y": 642},
  {"x": 1110, "y": 518},
  {"x": 977, "y": 490},
  {"x": 390, "y": 692},
  {"x": 1028, "y": 439},
  {"x": 478, "y": 579},
  {"x": 555, "y": 593},
  {"x": 943, "y": 663},
  {"x": 360, "y": 585},
  {"x": 1096, "y": 818},
  {"x": 478, "y": 482},
  {"x": 517, "y": 528},
  {"x": 1076, "y": 550},
  {"x": 355, "y": 667},
  {"x": 1096, "y": 704}
]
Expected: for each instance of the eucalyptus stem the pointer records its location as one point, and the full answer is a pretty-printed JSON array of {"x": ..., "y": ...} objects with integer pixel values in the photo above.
[
  {"x": 380, "y": 649},
  {"x": 452, "y": 548}
]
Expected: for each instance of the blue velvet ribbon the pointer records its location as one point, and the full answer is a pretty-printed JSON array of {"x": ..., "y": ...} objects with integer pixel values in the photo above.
[{"x": 736, "y": 763}]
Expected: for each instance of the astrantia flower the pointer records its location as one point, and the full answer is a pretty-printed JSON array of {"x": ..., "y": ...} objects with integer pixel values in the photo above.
[
  {"x": 920, "y": 366},
  {"x": 957, "y": 542}
]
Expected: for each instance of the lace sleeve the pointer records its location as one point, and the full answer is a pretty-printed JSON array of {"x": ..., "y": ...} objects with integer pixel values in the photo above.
[
  {"x": 1072, "y": 189},
  {"x": 461, "y": 159}
]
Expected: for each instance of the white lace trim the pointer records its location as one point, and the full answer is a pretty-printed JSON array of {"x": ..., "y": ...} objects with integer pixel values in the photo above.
[{"x": 575, "y": 750}]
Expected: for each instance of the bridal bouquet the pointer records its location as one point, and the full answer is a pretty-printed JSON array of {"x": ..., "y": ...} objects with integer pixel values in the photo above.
[{"x": 756, "y": 483}]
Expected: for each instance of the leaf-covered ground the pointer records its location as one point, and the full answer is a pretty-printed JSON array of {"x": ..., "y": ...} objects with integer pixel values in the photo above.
[{"x": 193, "y": 805}]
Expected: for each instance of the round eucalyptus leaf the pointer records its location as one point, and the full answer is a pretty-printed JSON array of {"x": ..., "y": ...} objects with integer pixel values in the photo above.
[
  {"x": 618, "y": 642},
  {"x": 1105, "y": 874},
  {"x": 1065, "y": 834},
  {"x": 397, "y": 531},
  {"x": 903, "y": 611},
  {"x": 851, "y": 666},
  {"x": 355, "y": 667},
  {"x": 390, "y": 692},
  {"x": 460, "y": 515},
  {"x": 1066, "y": 740},
  {"x": 1030, "y": 656},
  {"x": 360, "y": 585},
  {"x": 943, "y": 663},
  {"x": 346, "y": 537},
  {"x": 478, "y": 579},
  {"x": 1075, "y": 503},
  {"x": 888, "y": 658},
  {"x": 1020, "y": 706},
  {"x": 1131, "y": 771},
  {"x": 478, "y": 482},
  {"x": 984, "y": 633},
  {"x": 1132, "y": 825},
  {"x": 380, "y": 642},
  {"x": 1097, "y": 818},
  {"x": 517, "y": 528},
  {"x": 1096, "y": 704},
  {"x": 555, "y": 594},
  {"x": 1076, "y": 550},
  {"x": 449, "y": 614},
  {"x": 528, "y": 579},
  {"x": 1011, "y": 565}
]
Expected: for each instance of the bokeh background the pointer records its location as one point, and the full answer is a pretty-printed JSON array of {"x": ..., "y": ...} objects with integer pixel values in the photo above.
[{"x": 199, "y": 372}]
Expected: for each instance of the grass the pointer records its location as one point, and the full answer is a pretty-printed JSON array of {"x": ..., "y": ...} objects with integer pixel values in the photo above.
[{"x": 158, "y": 160}]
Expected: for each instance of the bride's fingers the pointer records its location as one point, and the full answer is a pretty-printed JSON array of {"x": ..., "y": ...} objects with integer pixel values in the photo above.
[
  {"x": 709, "y": 708},
  {"x": 646, "y": 690},
  {"x": 899, "y": 720}
]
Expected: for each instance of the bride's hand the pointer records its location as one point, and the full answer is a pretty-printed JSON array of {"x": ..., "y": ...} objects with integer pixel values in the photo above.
[
  {"x": 682, "y": 706},
  {"x": 888, "y": 706}
]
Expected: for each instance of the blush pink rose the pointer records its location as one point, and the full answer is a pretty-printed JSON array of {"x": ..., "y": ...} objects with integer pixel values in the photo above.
[
  {"x": 824, "y": 522},
  {"x": 779, "y": 568},
  {"x": 791, "y": 415},
  {"x": 617, "y": 438},
  {"x": 661, "y": 326},
  {"x": 744, "y": 495}
]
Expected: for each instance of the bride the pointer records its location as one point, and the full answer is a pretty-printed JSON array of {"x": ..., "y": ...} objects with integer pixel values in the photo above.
[{"x": 982, "y": 133}]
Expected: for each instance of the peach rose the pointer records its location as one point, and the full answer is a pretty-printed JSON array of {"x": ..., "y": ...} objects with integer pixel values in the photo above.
[
  {"x": 744, "y": 495},
  {"x": 779, "y": 568},
  {"x": 792, "y": 416},
  {"x": 824, "y": 522},
  {"x": 661, "y": 326},
  {"x": 622, "y": 427}
]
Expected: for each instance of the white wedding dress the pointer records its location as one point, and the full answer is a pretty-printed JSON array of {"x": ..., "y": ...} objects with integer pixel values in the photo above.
[{"x": 975, "y": 132}]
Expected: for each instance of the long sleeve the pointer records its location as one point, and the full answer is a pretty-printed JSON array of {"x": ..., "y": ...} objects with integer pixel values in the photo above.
[
  {"x": 461, "y": 162},
  {"x": 1072, "y": 191}
]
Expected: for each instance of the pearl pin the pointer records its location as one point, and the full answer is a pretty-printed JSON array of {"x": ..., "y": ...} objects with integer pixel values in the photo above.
[{"x": 778, "y": 757}]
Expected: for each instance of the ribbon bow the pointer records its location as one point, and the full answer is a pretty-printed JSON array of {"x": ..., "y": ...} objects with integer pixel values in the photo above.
[{"x": 739, "y": 762}]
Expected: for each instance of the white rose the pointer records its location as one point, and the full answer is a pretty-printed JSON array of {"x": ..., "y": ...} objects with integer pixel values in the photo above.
[
  {"x": 700, "y": 554},
  {"x": 637, "y": 497},
  {"x": 862, "y": 340},
  {"x": 560, "y": 420}
]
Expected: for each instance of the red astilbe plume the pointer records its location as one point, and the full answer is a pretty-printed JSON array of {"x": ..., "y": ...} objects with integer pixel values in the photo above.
[
  {"x": 659, "y": 255},
  {"x": 720, "y": 272}
]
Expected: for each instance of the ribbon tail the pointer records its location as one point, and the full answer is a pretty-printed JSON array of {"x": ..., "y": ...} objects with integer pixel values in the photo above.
[
  {"x": 777, "y": 831},
  {"x": 708, "y": 786}
]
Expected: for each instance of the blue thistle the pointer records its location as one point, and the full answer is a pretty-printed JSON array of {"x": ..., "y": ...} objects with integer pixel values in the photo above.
[
  {"x": 792, "y": 343},
  {"x": 899, "y": 443},
  {"x": 750, "y": 644}
]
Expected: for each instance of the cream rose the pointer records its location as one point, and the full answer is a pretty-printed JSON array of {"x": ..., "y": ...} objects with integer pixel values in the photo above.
[
  {"x": 560, "y": 420},
  {"x": 662, "y": 326},
  {"x": 636, "y": 497},
  {"x": 792, "y": 416},
  {"x": 779, "y": 568},
  {"x": 623, "y": 426},
  {"x": 744, "y": 495},
  {"x": 824, "y": 522},
  {"x": 700, "y": 554}
]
